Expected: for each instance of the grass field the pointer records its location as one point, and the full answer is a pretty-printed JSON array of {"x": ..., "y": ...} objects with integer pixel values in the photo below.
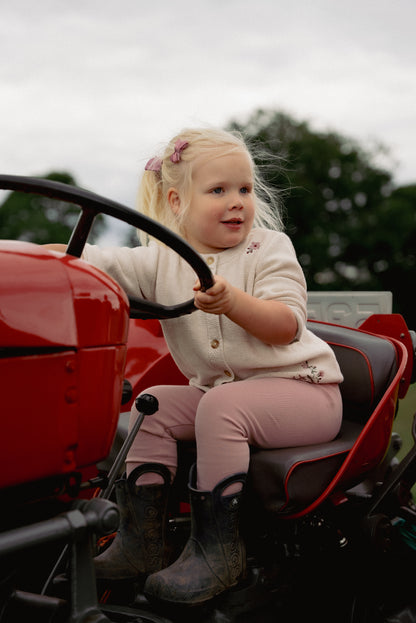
[{"x": 403, "y": 422}]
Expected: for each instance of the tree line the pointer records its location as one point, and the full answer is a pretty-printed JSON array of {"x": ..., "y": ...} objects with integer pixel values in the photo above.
[{"x": 352, "y": 227}]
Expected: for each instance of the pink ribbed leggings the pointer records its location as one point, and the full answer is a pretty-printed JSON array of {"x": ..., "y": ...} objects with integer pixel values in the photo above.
[{"x": 224, "y": 421}]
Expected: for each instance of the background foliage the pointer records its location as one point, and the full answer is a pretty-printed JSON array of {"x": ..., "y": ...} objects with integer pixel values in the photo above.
[
  {"x": 38, "y": 219},
  {"x": 352, "y": 227}
]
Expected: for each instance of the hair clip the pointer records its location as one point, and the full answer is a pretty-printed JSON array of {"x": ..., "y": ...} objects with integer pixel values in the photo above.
[
  {"x": 154, "y": 164},
  {"x": 179, "y": 147}
]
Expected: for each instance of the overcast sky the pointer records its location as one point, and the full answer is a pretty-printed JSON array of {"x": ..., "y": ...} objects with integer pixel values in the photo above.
[{"x": 93, "y": 87}]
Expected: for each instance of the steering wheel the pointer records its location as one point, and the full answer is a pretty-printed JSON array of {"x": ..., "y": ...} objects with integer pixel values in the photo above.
[{"x": 91, "y": 205}]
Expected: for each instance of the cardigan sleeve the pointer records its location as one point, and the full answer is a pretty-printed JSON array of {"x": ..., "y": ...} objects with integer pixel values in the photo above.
[
  {"x": 279, "y": 276},
  {"x": 134, "y": 269}
]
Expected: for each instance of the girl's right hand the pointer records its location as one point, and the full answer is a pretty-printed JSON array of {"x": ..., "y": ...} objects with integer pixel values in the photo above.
[{"x": 219, "y": 299}]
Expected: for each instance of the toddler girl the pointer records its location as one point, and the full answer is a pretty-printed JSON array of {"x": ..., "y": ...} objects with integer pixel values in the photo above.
[{"x": 257, "y": 376}]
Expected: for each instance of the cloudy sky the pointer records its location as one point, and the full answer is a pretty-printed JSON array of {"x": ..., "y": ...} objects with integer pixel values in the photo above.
[{"x": 93, "y": 87}]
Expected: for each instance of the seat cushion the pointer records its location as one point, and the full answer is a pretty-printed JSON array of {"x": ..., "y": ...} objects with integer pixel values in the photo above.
[{"x": 288, "y": 479}]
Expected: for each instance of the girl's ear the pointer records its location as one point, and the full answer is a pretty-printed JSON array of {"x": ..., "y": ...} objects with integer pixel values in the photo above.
[{"x": 174, "y": 201}]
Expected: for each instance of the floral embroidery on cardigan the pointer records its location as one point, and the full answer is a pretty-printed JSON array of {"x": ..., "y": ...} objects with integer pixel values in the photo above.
[
  {"x": 314, "y": 375},
  {"x": 253, "y": 246}
]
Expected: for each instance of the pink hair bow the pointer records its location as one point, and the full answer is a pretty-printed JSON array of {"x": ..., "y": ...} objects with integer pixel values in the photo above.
[
  {"x": 154, "y": 164},
  {"x": 179, "y": 147}
]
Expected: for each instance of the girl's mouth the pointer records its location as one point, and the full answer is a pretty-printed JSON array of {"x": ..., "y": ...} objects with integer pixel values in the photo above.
[{"x": 234, "y": 222}]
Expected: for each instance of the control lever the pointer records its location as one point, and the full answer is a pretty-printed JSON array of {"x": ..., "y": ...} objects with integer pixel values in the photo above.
[{"x": 146, "y": 404}]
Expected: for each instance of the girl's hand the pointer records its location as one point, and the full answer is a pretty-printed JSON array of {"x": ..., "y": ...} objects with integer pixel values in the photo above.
[
  {"x": 219, "y": 299},
  {"x": 56, "y": 247},
  {"x": 272, "y": 322}
]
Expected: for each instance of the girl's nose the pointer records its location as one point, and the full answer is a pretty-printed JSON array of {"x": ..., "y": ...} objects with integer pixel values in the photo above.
[{"x": 236, "y": 203}]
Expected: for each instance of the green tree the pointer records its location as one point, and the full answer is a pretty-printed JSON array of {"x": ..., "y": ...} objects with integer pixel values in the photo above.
[
  {"x": 391, "y": 254},
  {"x": 40, "y": 219},
  {"x": 351, "y": 228}
]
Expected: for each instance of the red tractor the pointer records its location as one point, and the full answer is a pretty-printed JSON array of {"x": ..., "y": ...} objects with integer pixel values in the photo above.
[{"x": 330, "y": 529}]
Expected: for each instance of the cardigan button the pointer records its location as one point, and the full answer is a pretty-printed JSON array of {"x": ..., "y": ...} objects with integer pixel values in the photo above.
[
  {"x": 210, "y": 260},
  {"x": 214, "y": 343},
  {"x": 228, "y": 373}
]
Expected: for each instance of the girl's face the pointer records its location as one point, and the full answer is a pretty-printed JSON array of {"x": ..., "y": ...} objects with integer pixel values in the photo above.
[{"x": 221, "y": 211}]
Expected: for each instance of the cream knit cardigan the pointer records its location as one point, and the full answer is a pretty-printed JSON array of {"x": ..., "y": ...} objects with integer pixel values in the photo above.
[{"x": 210, "y": 349}]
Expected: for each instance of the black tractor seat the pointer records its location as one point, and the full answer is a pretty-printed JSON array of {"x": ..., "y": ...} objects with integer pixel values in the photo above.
[{"x": 287, "y": 480}]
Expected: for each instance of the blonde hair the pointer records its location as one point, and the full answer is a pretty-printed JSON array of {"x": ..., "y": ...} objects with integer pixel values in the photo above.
[{"x": 206, "y": 143}]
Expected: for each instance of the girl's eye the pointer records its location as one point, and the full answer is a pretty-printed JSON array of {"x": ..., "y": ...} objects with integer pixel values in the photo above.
[
  {"x": 245, "y": 190},
  {"x": 217, "y": 191}
]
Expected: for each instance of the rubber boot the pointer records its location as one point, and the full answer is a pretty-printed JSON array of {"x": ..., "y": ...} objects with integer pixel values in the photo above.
[
  {"x": 139, "y": 545},
  {"x": 213, "y": 559}
]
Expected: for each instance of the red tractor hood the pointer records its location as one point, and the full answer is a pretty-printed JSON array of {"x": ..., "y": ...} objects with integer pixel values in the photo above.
[
  {"x": 47, "y": 299},
  {"x": 63, "y": 336}
]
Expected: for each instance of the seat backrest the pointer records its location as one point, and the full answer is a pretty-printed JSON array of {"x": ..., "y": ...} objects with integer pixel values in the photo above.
[{"x": 368, "y": 364}]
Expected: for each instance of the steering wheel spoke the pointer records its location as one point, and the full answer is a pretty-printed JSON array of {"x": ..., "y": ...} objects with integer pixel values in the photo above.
[{"x": 80, "y": 233}]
